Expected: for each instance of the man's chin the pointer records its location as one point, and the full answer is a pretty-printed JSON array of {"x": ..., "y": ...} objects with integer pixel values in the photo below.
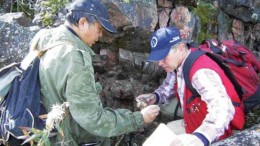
[{"x": 168, "y": 70}]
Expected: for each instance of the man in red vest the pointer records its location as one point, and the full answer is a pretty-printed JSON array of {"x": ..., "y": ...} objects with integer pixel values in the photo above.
[{"x": 207, "y": 118}]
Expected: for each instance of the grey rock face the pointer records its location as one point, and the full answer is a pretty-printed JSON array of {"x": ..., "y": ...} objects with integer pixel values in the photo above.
[
  {"x": 6, "y": 5},
  {"x": 141, "y": 13},
  {"x": 222, "y": 28},
  {"x": 187, "y": 22},
  {"x": 14, "y": 37},
  {"x": 122, "y": 89},
  {"x": 246, "y": 10},
  {"x": 248, "y": 137},
  {"x": 121, "y": 69},
  {"x": 135, "y": 21}
]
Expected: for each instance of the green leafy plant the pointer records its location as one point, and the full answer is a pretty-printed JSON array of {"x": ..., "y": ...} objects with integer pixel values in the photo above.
[
  {"x": 41, "y": 137},
  {"x": 207, "y": 14},
  {"x": 51, "y": 7},
  {"x": 47, "y": 19},
  {"x": 126, "y": 1},
  {"x": 23, "y": 6}
]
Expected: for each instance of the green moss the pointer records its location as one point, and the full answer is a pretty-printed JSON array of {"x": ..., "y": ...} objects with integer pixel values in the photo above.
[
  {"x": 48, "y": 12},
  {"x": 54, "y": 6},
  {"x": 207, "y": 14},
  {"x": 230, "y": 24},
  {"x": 47, "y": 19},
  {"x": 252, "y": 117},
  {"x": 126, "y": 1},
  {"x": 23, "y": 6}
]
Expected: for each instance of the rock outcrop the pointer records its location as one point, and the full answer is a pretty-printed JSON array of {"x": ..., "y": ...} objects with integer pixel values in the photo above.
[{"x": 120, "y": 65}]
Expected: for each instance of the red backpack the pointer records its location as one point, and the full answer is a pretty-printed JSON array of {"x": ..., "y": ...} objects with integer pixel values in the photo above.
[{"x": 238, "y": 63}]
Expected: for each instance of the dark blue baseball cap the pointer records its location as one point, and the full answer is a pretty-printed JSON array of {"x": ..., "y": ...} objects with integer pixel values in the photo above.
[
  {"x": 161, "y": 42},
  {"x": 95, "y": 8}
]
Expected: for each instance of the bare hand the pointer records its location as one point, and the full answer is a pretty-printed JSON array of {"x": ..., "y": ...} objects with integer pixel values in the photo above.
[
  {"x": 144, "y": 100},
  {"x": 150, "y": 113}
]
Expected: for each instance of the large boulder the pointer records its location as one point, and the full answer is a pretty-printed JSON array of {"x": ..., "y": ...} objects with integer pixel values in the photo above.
[
  {"x": 16, "y": 33},
  {"x": 135, "y": 20},
  {"x": 248, "y": 137},
  {"x": 245, "y": 10}
]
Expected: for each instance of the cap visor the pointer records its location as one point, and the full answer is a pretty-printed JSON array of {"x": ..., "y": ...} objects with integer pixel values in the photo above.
[
  {"x": 158, "y": 54},
  {"x": 106, "y": 24}
]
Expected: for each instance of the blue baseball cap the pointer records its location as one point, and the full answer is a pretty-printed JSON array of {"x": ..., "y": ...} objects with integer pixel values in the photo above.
[
  {"x": 95, "y": 8},
  {"x": 161, "y": 42}
]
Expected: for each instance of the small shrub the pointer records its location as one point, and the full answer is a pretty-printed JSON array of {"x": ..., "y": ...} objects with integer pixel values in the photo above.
[{"x": 207, "y": 14}]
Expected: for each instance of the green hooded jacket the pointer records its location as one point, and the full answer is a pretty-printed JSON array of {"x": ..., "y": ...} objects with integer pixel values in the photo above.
[{"x": 67, "y": 75}]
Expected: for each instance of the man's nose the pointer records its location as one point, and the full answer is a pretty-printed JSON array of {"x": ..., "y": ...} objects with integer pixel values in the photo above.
[{"x": 160, "y": 63}]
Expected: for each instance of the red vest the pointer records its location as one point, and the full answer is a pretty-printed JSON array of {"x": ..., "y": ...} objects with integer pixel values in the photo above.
[{"x": 195, "y": 111}]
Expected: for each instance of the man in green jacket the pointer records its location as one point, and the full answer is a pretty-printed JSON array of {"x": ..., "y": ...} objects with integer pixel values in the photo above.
[{"x": 67, "y": 75}]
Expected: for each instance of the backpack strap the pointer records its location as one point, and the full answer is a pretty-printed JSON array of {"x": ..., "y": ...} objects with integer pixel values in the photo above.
[
  {"x": 215, "y": 49},
  {"x": 193, "y": 56},
  {"x": 192, "y": 45},
  {"x": 41, "y": 52},
  {"x": 36, "y": 38},
  {"x": 232, "y": 61},
  {"x": 227, "y": 71}
]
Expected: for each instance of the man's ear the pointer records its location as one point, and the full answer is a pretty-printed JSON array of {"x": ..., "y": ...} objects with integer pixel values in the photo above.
[
  {"x": 82, "y": 22},
  {"x": 182, "y": 46}
]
